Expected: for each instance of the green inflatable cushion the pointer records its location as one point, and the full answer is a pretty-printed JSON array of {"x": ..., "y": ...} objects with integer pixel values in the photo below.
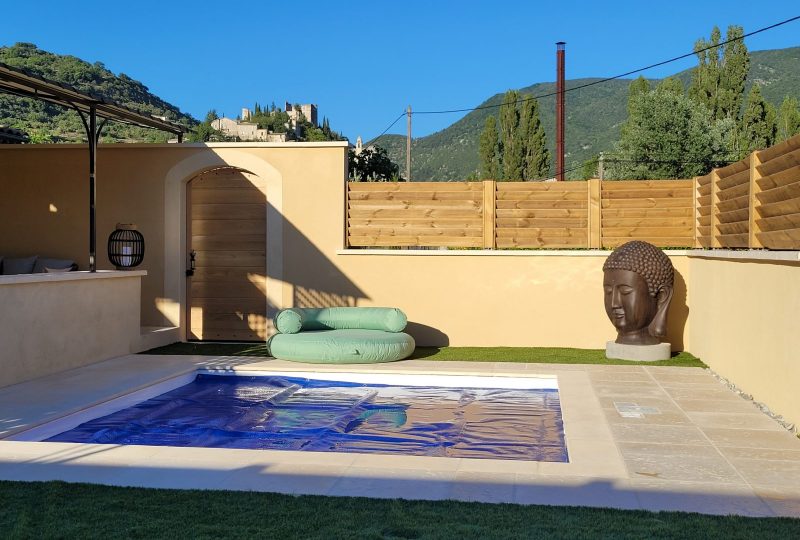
[
  {"x": 342, "y": 346},
  {"x": 294, "y": 320}
]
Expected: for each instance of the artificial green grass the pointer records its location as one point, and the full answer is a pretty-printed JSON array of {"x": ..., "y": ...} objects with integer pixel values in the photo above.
[
  {"x": 540, "y": 355},
  {"x": 61, "y": 510}
]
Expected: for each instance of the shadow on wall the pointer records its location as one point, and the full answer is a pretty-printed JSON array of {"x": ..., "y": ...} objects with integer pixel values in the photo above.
[
  {"x": 229, "y": 297},
  {"x": 315, "y": 280},
  {"x": 678, "y": 314}
]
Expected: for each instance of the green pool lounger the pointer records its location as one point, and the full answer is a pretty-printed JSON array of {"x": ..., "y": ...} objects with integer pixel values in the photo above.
[{"x": 347, "y": 335}]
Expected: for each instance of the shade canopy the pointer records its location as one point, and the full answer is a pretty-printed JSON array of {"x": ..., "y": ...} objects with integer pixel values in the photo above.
[
  {"x": 89, "y": 107},
  {"x": 25, "y": 84}
]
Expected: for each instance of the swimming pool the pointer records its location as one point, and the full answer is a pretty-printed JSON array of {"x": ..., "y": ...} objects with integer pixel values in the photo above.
[{"x": 427, "y": 415}]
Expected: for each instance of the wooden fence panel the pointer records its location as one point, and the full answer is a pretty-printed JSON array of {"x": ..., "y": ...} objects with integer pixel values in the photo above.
[
  {"x": 777, "y": 196},
  {"x": 392, "y": 214},
  {"x": 541, "y": 214},
  {"x": 752, "y": 203},
  {"x": 657, "y": 211}
]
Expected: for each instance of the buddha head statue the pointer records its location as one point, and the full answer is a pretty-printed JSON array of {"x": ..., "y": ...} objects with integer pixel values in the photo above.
[{"x": 638, "y": 283}]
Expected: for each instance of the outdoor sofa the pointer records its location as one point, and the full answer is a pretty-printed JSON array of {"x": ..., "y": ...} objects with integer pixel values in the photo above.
[
  {"x": 34, "y": 264},
  {"x": 341, "y": 335}
]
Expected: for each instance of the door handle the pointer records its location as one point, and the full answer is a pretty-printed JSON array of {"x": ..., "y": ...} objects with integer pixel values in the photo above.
[{"x": 192, "y": 256}]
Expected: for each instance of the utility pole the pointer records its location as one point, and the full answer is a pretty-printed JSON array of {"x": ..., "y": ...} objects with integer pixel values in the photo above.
[
  {"x": 560, "y": 111},
  {"x": 408, "y": 146},
  {"x": 601, "y": 166}
]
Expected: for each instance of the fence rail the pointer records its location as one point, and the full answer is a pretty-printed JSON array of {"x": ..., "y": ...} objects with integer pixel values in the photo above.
[{"x": 753, "y": 203}]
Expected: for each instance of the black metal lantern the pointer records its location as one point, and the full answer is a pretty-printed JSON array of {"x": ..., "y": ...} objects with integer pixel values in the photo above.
[{"x": 126, "y": 247}]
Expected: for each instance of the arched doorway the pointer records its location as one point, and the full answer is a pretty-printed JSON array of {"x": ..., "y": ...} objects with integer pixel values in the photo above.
[{"x": 226, "y": 234}]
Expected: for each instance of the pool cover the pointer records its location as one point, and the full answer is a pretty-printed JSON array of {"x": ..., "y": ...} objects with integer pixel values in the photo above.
[{"x": 286, "y": 413}]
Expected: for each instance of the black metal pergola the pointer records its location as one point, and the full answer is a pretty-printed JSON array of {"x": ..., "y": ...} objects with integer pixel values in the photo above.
[{"x": 89, "y": 107}]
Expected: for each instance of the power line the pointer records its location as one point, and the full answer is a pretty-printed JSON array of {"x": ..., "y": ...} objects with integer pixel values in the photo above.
[
  {"x": 632, "y": 72},
  {"x": 402, "y": 114}
]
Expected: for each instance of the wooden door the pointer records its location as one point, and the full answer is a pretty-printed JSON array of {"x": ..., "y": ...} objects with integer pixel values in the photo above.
[{"x": 227, "y": 231}]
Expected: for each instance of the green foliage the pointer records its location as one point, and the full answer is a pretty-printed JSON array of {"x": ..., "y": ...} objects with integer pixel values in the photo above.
[
  {"x": 204, "y": 132},
  {"x": 590, "y": 168},
  {"x": 595, "y": 116},
  {"x": 522, "y": 150},
  {"x": 490, "y": 151},
  {"x": 667, "y": 135},
  {"x": 55, "y": 123},
  {"x": 640, "y": 85},
  {"x": 372, "y": 165},
  {"x": 759, "y": 123},
  {"x": 511, "y": 148},
  {"x": 536, "y": 158},
  {"x": 718, "y": 81},
  {"x": 671, "y": 84},
  {"x": 788, "y": 119}
]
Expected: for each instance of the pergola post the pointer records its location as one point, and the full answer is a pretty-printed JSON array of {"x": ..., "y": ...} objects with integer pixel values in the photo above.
[{"x": 92, "y": 137}]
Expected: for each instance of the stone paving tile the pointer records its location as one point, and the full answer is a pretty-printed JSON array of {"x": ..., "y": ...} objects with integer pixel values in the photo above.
[
  {"x": 752, "y": 438},
  {"x": 705, "y": 498},
  {"x": 784, "y": 474},
  {"x": 663, "y": 404},
  {"x": 768, "y": 454},
  {"x": 393, "y": 484},
  {"x": 285, "y": 478},
  {"x": 658, "y": 434},
  {"x": 656, "y": 449},
  {"x": 752, "y": 420},
  {"x": 624, "y": 377},
  {"x": 598, "y": 459},
  {"x": 629, "y": 390},
  {"x": 662, "y": 419},
  {"x": 483, "y": 487},
  {"x": 700, "y": 391},
  {"x": 497, "y": 466},
  {"x": 782, "y": 501},
  {"x": 681, "y": 468},
  {"x": 574, "y": 491},
  {"x": 734, "y": 404}
]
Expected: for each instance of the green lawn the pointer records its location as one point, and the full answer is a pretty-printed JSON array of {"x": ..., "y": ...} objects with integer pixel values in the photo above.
[
  {"x": 543, "y": 355},
  {"x": 60, "y": 510}
]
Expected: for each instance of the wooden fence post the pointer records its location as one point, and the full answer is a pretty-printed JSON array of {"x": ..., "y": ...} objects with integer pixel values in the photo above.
[
  {"x": 594, "y": 211},
  {"x": 489, "y": 194},
  {"x": 753, "y": 228},
  {"x": 695, "y": 204},
  {"x": 714, "y": 209}
]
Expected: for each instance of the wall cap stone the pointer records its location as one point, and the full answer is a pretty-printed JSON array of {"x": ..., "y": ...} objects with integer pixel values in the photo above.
[
  {"x": 745, "y": 254},
  {"x": 69, "y": 276}
]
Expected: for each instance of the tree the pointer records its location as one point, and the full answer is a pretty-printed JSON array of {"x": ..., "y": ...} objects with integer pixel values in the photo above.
[
  {"x": 759, "y": 122},
  {"x": 372, "y": 165},
  {"x": 536, "y": 157},
  {"x": 667, "y": 135},
  {"x": 489, "y": 150},
  {"x": 639, "y": 86},
  {"x": 511, "y": 147},
  {"x": 705, "y": 77},
  {"x": 718, "y": 81},
  {"x": 733, "y": 73},
  {"x": 671, "y": 84},
  {"x": 788, "y": 119}
]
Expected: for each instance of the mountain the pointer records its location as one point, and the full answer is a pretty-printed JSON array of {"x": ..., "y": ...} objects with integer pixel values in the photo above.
[
  {"x": 44, "y": 120},
  {"x": 594, "y": 117}
]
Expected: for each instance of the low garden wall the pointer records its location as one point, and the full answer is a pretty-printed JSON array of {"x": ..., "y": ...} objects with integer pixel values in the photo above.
[{"x": 55, "y": 322}]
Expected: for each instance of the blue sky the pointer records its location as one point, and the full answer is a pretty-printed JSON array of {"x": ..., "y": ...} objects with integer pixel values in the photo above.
[{"x": 362, "y": 63}]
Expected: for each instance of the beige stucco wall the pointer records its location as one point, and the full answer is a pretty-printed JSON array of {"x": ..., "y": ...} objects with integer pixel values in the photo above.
[
  {"x": 458, "y": 300},
  {"x": 53, "y": 322},
  {"x": 745, "y": 326}
]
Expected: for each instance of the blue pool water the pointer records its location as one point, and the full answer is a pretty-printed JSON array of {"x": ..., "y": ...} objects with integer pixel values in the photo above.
[{"x": 287, "y": 413}]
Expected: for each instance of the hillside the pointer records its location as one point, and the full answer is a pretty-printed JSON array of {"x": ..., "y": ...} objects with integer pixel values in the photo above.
[
  {"x": 594, "y": 116},
  {"x": 42, "y": 119}
]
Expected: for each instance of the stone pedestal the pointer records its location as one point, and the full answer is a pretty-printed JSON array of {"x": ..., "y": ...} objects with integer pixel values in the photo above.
[{"x": 638, "y": 353}]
